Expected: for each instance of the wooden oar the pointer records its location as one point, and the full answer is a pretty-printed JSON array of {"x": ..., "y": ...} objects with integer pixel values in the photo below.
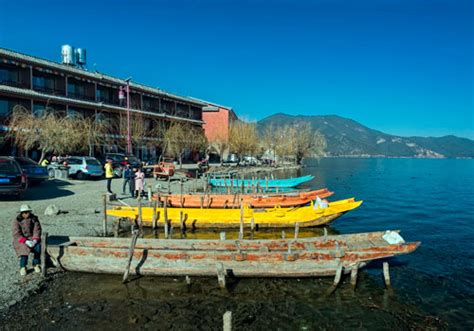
[{"x": 130, "y": 255}]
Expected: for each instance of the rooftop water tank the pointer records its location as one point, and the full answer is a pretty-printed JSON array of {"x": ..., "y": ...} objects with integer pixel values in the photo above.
[
  {"x": 67, "y": 54},
  {"x": 80, "y": 56}
]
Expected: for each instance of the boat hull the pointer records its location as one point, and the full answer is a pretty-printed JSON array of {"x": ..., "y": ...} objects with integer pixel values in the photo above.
[
  {"x": 252, "y": 200},
  {"x": 270, "y": 183},
  {"x": 308, "y": 257},
  {"x": 306, "y": 216}
]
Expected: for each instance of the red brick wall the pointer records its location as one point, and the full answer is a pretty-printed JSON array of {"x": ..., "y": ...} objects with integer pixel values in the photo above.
[{"x": 216, "y": 124}]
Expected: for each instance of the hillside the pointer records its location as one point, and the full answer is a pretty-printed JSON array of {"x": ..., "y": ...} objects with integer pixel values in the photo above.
[{"x": 346, "y": 137}]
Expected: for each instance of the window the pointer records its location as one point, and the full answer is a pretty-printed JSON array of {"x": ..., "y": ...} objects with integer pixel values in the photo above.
[
  {"x": 8, "y": 76},
  {"x": 43, "y": 83},
  {"x": 4, "y": 108},
  {"x": 38, "y": 110}
]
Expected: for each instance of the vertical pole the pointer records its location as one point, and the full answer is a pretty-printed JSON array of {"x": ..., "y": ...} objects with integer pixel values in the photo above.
[
  {"x": 105, "y": 215},
  {"x": 169, "y": 184},
  {"x": 149, "y": 193},
  {"x": 140, "y": 216},
  {"x": 181, "y": 201},
  {"x": 181, "y": 221},
  {"x": 227, "y": 320},
  {"x": 297, "y": 229},
  {"x": 44, "y": 243},
  {"x": 201, "y": 200},
  {"x": 386, "y": 274},
  {"x": 241, "y": 229},
  {"x": 129, "y": 134},
  {"x": 165, "y": 217},
  {"x": 222, "y": 235},
  {"x": 154, "y": 215}
]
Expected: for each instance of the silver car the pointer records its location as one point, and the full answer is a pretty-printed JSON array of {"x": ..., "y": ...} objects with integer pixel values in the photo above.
[{"x": 83, "y": 167}]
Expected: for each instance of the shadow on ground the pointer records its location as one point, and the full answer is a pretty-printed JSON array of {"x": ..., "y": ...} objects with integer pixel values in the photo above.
[{"x": 49, "y": 189}]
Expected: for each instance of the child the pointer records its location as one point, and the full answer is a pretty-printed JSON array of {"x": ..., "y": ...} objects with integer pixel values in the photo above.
[
  {"x": 26, "y": 230},
  {"x": 139, "y": 182}
]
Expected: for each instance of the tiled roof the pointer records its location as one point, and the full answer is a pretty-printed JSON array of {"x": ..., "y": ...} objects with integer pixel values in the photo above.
[{"x": 94, "y": 75}]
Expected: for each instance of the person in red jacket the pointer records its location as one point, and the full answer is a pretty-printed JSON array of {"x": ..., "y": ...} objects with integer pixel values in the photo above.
[{"x": 26, "y": 230}]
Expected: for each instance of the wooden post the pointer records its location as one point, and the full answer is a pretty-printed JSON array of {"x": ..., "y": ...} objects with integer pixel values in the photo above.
[
  {"x": 149, "y": 193},
  {"x": 158, "y": 198},
  {"x": 201, "y": 200},
  {"x": 221, "y": 275},
  {"x": 337, "y": 279},
  {"x": 154, "y": 219},
  {"x": 105, "y": 215},
  {"x": 169, "y": 184},
  {"x": 354, "y": 272},
  {"x": 386, "y": 274},
  {"x": 222, "y": 235},
  {"x": 181, "y": 201},
  {"x": 266, "y": 183},
  {"x": 44, "y": 243},
  {"x": 325, "y": 234},
  {"x": 241, "y": 229},
  {"x": 283, "y": 235},
  {"x": 297, "y": 229},
  {"x": 227, "y": 320},
  {"x": 188, "y": 280},
  {"x": 165, "y": 217},
  {"x": 252, "y": 224},
  {"x": 140, "y": 216},
  {"x": 181, "y": 222},
  {"x": 130, "y": 255}
]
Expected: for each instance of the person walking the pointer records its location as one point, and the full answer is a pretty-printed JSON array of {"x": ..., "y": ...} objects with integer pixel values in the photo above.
[
  {"x": 109, "y": 175},
  {"x": 26, "y": 230},
  {"x": 128, "y": 180},
  {"x": 139, "y": 182}
]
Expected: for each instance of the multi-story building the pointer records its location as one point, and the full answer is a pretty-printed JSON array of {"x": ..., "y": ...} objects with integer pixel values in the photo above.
[
  {"x": 37, "y": 84},
  {"x": 217, "y": 122}
]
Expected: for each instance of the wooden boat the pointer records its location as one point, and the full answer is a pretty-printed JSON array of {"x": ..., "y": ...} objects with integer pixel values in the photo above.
[
  {"x": 307, "y": 257},
  {"x": 278, "y": 217},
  {"x": 280, "y": 183},
  {"x": 252, "y": 200}
]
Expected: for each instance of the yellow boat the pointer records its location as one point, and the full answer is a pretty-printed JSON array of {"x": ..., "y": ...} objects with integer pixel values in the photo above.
[{"x": 306, "y": 216}]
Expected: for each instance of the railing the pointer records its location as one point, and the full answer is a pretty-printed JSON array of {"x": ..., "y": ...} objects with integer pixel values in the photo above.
[
  {"x": 108, "y": 101},
  {"x": 13, "y": 83},
  {"x": 80, "y": 96},
  {"x": 49, "y": 90}
]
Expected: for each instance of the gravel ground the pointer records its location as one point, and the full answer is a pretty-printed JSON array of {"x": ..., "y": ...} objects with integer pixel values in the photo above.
[{"x": 81, "y": 206}]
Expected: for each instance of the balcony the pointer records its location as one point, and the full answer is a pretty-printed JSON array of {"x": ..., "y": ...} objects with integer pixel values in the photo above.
[
  {"x": 80, "y": 96},
  {"x": 49, "y": 90},
  {"x": 14, "y": 83}
]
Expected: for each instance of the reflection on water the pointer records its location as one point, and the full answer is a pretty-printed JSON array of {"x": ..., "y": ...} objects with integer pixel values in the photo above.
[{"x": 431, "y": 201}]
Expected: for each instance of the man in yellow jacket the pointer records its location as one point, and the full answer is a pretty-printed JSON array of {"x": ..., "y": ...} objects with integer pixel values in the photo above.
[{"x": 109, "y": 174}]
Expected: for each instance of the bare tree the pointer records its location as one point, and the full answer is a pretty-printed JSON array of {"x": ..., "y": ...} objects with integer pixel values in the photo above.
[
  {"x": 93, "y": 131},
  {"x": 49, "y": 133},
  {"x": 243, "y": 138},
  {"x": 180, "y": 137}
]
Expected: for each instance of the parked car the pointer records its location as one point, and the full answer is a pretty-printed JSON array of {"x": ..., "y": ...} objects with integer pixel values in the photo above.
[
  {"x": 13, "y": 180},
  {"x": 231, "y": 158},
  {"x": 35, "y": 172},
  {"x": 82, "y": 167},
  {"x": 249, "y": 160},
  {"x": 119, "y": 160}
]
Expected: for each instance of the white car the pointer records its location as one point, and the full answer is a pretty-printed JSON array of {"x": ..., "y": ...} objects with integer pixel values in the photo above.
[{"x": 83, "y": 167}]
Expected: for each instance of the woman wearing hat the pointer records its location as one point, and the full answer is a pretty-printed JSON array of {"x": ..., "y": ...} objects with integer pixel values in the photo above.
[{"x": 26, "y": 230}]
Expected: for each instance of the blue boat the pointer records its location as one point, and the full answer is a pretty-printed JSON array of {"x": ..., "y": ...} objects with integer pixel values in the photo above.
[{"x": 270, "y": 183}]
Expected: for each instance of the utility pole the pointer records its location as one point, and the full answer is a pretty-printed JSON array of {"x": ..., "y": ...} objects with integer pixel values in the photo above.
[{"x": 121, "y": 97}]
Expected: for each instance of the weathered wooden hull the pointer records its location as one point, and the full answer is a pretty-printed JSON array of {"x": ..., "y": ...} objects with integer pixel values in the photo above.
[
  {"x": 280, "y": 183},
  {"x": 309, "y": 257},
  {"x": 306, "y": 216},
  {"x": 252, "y": 200}
]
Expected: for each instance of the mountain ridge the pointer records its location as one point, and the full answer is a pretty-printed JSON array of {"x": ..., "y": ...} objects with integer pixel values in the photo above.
[{"x": 347, "y": 137}]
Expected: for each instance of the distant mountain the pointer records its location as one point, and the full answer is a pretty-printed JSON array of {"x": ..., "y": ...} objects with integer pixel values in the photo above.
[{"x": 346, "y": 137}]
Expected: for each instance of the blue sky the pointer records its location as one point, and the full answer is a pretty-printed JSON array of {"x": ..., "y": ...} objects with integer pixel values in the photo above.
[{"x": 403, "y": 67}]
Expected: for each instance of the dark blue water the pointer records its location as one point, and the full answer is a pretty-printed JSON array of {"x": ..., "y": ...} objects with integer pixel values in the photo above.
[{"x": 429, "y": 200}]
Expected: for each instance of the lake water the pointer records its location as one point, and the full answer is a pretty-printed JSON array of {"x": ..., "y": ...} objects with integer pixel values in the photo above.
[{"x": 431, "y": 201}]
